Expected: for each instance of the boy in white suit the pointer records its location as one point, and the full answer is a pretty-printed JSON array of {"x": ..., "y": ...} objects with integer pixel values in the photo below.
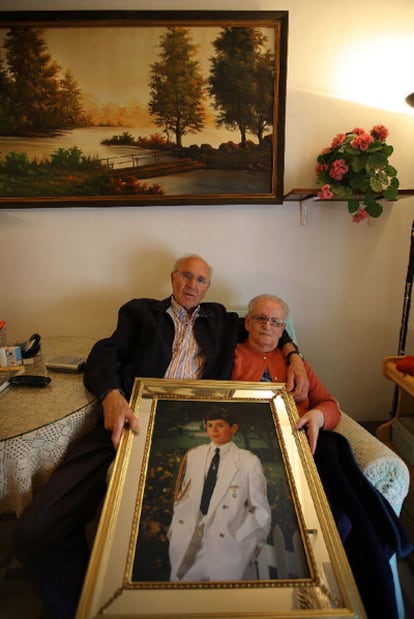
[{"x": 216, "y": 539}]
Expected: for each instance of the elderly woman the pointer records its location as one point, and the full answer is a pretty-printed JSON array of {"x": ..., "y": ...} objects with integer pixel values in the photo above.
[
  {"x": 369, "y": 529},
  {"x": 259, "y": 359}
]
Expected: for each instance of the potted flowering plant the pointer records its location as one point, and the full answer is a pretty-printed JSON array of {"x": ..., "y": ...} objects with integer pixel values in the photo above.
[{"x": 355, "y": 168}]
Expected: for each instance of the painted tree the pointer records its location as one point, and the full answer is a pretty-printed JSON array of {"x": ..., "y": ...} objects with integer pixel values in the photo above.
[
  {"x": 70, "y": 101},
  {"x": 241, "y": 81},
  {"x": 177, "y": 88},
  {"x": 4, "y": 94},
  {"x": 263, "y": 95},
  {"x": 37, "y": 95}
]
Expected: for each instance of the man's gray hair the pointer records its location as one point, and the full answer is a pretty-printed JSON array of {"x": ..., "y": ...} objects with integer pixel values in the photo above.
[
  {"x": 180, "y": 260},
  {"x": 267, "y": 297}
]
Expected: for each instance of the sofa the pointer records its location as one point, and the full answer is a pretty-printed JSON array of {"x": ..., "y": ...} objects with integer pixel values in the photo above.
[{"x": 384, "y": 468}]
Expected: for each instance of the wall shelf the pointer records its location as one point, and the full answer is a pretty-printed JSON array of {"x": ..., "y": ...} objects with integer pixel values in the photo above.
[{"x": 307, "y": 197}]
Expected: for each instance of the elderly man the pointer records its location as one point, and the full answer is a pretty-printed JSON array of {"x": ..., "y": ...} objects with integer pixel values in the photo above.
[{"x": 178, "y": 337}]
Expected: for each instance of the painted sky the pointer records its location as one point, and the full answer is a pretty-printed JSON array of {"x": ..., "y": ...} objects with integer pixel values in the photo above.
[{"x": 112, "y": 64}]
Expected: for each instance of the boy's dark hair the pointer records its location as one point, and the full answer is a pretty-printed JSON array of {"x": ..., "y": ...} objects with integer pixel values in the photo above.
[{"x": 219, "y": 413}]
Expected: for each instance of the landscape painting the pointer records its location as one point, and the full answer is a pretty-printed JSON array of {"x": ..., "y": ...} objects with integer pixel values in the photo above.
[{"x": 141, "y": 108}]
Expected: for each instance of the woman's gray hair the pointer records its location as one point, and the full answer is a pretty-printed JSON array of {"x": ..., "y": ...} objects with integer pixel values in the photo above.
[{"x": 267, "y": 297}]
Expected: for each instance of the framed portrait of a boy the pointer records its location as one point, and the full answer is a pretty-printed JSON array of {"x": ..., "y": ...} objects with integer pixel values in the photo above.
[{"x": 215, "y": 509}]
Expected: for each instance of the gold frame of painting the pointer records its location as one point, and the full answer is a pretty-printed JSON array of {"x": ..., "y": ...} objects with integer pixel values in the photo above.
[{"x": 300, "y": 570}]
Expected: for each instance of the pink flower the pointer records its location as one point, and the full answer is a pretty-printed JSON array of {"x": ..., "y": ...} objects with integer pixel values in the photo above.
[
  {"x": 321, "y": 167},
  {"x": 349, "y": 166},
  {"x": 359, "y": 215},
  {"x": 338, "y": 169},
  {"x": 380, "y": 132},
  {"x": 325, "y": 193},
  {"x": 362, "y": 141},
  {"x": 338, "y": 139}
]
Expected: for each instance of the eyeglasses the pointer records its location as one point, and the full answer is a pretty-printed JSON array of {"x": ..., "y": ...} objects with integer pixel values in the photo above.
[
  {"x": 274, "y": 322},
  {"x": 201, "y": 281}
]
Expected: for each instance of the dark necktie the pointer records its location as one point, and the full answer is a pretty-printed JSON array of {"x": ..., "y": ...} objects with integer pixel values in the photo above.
[{"x": 210, "y": 482}]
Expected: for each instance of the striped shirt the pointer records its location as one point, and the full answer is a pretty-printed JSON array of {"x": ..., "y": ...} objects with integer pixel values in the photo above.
[{"x": 188, "y": 359}]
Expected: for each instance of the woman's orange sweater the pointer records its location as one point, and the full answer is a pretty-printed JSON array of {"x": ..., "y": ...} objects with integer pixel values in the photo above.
[{"x": 250, "y": 365}]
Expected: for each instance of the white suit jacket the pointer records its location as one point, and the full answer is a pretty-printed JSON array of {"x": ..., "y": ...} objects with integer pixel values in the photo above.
[{"x": 238, "y": 518}]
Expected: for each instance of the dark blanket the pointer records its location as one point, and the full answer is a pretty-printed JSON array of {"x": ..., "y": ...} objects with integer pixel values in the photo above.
[{"x": 368, "y": 526}]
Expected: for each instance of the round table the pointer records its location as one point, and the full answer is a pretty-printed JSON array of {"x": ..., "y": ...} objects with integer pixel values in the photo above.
[{"x": 39, "y": 424}]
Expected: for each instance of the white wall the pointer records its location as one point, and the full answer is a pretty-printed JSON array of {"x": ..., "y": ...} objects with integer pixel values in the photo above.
[{"x": 67, "y": 271}]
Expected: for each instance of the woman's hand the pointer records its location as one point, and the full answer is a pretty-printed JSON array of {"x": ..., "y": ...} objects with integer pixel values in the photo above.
[{"x": 314, "y": 421}]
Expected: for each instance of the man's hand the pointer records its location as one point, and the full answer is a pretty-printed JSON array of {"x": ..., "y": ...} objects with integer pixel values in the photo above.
[
  {"x": 117, "y": 413},
  {"x": 297, "y": 379},
  {"x": 314, "y": 421}
]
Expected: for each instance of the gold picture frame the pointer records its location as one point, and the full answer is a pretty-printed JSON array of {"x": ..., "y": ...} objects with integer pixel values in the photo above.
[
  {"x": 142, "y": 108},
  {"x": 307, "y": 574}
]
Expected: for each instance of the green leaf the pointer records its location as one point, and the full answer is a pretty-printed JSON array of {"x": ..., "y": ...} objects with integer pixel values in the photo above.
[
  {"x": 374, "y": 210},
  {"x": 375, "y": 147},
  {"x": 341, "y": 191},
  {"x": 359, "y": 183},
  {"x": 352, "y": 151},
  {"x": 376, "y": 161},
  {"x": 324, "y": 178},
  {"x": 358, "y": 163},
  {"x": 390, "y": 170},
  {"x": 379, "y": 182},
  {"x": 391, "y": 193},
  {"x": 370, "y": 198},
  {"x": 387, "y": 150},
  {"x": 353, "y": 206}
]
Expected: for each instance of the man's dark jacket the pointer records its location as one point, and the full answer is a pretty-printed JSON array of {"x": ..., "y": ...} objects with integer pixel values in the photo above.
[{"x": 142, "y": 344}]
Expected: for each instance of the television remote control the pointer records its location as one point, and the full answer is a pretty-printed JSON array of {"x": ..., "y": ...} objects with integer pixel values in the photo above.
[{"x": 29, "y": 380}]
